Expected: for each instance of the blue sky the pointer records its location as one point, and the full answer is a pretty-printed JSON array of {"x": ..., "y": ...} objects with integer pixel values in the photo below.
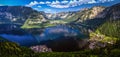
[{"x": 53, "y": 6}]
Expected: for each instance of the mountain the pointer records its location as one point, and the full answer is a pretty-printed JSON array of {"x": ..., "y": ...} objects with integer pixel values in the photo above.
[
  {"x": 34, "y": 22},
  {"x": 10, "y": 49},
  {"x": 65, "y": 17},
  {"x": 92, "y": 17},
  {"x": 87, "y": 16},
  {"x": 79, "y": 16},
  {"x": 112, "y": 25},
  {"x": 98, "y": 15},
  {"x": 17, "y": 14},
  {"x": 89, "y": 13},
  {"x": 113, "y": 12},
  {"x": 61, "y": 15},
  {"x": 106, "y": 21},
  {"x": 48, "y": 19},
  {"x": 83, "y": 14}
]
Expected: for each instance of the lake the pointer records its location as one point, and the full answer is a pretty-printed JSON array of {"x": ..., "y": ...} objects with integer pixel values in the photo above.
[{"x": 41, "y": 36}]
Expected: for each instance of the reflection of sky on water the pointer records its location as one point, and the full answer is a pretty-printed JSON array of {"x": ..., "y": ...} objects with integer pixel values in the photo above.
[
  {"x": 57, "y": 32},
  {"x": 50, "y": 33},
  {"x": 20, "y": 39}
]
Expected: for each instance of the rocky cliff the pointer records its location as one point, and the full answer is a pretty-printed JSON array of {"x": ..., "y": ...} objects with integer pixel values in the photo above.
[{"x": 17, "y": 14}]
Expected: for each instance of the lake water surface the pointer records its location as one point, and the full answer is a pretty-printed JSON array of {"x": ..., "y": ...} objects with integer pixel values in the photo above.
[{"x": 51, "y": 33}]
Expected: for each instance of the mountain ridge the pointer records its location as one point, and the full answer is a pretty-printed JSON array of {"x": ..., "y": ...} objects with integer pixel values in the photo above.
[{"x": 16, "y": 14}]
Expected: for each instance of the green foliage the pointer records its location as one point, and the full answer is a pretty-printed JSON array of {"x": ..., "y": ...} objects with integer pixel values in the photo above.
[
  {"x": 110, "y": 28},
  {"x": 36, "y": 23},
  {"x": 8, "y": 49},
  {"x": 115, "y": 53},
  {"x": 102, "y": 38}
]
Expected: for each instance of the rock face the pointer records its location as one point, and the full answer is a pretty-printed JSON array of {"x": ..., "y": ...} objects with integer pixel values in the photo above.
[
  {"x": 92, "y": 13},
  {"x": 80, "y": 16},
  {"x": 112, "y": 25},
  {"x": 17, "y": 14},
  {"x": 36, "y": 20},
  {"x": 95, "y": 44},
  {"x": 96, "y": 12},
  {"x": 110, "y": 28},
  {"x": 113, "y": 12},
  {"x": 41, "y": 48},
  {"x": 61, "y": 15}
]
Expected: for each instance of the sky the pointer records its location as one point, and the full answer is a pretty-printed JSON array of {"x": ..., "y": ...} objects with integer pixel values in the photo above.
[{"x": 55, "y": 6}]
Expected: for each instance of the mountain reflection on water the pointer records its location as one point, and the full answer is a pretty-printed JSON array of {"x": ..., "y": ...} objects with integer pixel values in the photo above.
[{"x": 27, "y": 38}]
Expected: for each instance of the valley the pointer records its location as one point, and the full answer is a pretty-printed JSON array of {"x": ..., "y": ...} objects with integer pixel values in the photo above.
[{"x": 25, "y": 31}]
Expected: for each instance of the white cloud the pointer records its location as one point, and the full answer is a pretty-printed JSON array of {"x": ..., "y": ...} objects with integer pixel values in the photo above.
[
  {"x": 60, "y": 6},
  {"x": 41, "y": 2},
  {"x": 64, "y": 2},
  {"x": 80, "y": 0},
  {"x": 39, "y": 6},
  {"x": 67, "y": 4},
  {"x": 47, "y": 2},
  {"x": 103, "y": 1},
  {"x": 55, "y": 2},
  {"x": 35, "y": 8},
  {"x": 92, "y": 1},
  {"x": 32, "y": 3},
  {"x": 47, "y": 10},
  {"x": 73, "y": 3}
]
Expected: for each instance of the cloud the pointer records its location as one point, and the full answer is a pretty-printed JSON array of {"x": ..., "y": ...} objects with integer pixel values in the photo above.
[
  {"x": 47, "y": 10},
  {"x": 55, "y": 3},
  {"x": 73, "y": 3},
  {"x": 32, "y": 3},
  {"x": 59, "y": 6},
  {"x": 35, "y": 8},
  {"x": 41, "y": 2},
  {"x": 92, "y": 1},
  {"x": 103, "y": 1},
  {"x": 39, "y": 6},
  {"x": 47, "y": 2},
  {"x": 64, "y": 2},
  {"x": 67, "y": 4}
]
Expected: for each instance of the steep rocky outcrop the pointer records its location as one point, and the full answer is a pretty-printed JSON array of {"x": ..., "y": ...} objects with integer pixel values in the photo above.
[
  {"x": 61, "y": 15},
  {"x": 41, "y": 48},
  {"x": 112, "y": 25},
  {"x": 92, "y": 13},
  {"x": 113, "y": 12},
  {"x": 17, "y": 14}
]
